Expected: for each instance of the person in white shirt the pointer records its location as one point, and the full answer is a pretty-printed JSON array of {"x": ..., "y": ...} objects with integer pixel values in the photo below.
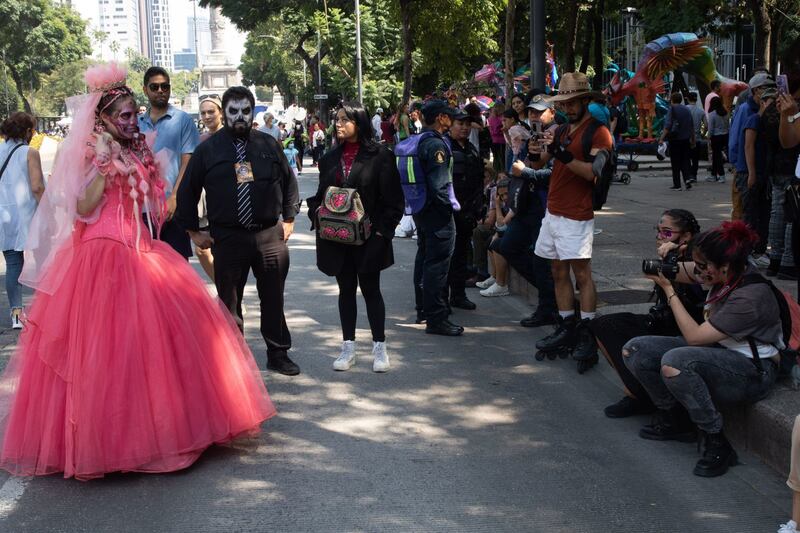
[{"x": 376, "y": 123}]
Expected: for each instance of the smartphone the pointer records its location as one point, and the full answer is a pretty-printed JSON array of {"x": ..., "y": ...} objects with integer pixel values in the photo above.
[{"x": 783, "y": 84}]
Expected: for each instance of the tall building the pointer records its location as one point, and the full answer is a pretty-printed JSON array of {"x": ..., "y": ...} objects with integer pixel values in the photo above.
[
  {"x": 156, "y": 41},
  {"x": 203, "y": 35},
  {"x": 120, "y": 20}
]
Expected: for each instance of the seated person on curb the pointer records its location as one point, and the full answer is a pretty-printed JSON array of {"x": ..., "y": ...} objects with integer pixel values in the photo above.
[
  {"x": 712, "y": 363},
  {"x": 675, "y": 229},
  {"x": 497, "y": 283},
  {"x": 483, "y": 232}
]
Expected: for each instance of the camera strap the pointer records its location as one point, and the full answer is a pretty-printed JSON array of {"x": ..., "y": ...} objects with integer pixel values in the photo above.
[{"x": 756, "y": 357}]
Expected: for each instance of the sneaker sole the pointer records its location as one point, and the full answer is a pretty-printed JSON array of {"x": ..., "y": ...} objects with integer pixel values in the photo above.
[{"x": 495, "y": 295}]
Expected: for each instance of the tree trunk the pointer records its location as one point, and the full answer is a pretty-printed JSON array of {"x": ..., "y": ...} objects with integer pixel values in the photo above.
[
  {"x": 408, "y": 48},
  {"x": 599, "y": 67},
  {"x": 20, "y": 85},
  {"x": 568, "y": 64},
  {"x": 509, "y": 48},
  {"x": 586, "y": 45},
  {"x": 763, "y": 37}
]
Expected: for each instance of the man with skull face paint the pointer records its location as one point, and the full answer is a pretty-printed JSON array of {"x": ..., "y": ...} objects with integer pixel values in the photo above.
[{"x": 249, "y": 186}]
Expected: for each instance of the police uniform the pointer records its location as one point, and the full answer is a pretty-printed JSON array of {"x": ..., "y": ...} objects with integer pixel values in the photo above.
[
  {"x": 436, "y": 229},
  {"x": 468, "y": 186}
]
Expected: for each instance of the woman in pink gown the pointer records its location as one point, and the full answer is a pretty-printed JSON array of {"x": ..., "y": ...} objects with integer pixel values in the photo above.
[{"x": 125, "y": 362}]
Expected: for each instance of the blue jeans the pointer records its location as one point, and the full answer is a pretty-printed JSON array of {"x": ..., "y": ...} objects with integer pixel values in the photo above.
[
  {"x": 13, "y": 270},
  {"x": 710, "y": 376}
]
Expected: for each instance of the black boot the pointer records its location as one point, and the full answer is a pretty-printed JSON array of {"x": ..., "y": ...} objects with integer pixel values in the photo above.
[
  {"x": 462, "y": 302},
  {"x": 279, "y": 362},
  {"x": 673, "y": 424},
  {"x": 773, "y": 268},
  {"x": 717, "y": 457},
  {"x": 443, "y": 327},
  {"x": 562, "y": 337},
  {"x": 539, "y": 318},
  {"x": 585, "y": 343}
]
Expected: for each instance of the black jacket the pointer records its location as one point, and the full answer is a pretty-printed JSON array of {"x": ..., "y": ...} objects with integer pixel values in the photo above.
[
  {"x": 374, "y": 174},
  {"x": 274, "y": 191}
]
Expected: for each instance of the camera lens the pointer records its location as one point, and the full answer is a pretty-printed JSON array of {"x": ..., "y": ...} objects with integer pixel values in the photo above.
[{"x": 651, "y": 267}]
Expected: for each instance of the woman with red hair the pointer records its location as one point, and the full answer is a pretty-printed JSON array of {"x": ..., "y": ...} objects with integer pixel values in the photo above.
[{"x": 731, "y": 358}]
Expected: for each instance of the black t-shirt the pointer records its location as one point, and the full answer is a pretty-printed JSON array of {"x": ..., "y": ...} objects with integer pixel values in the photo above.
[{"x": 780, "y": 161}]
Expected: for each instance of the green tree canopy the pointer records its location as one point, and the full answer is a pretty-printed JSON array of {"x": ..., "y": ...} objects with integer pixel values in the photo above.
[{"x": 38, "y": 37}]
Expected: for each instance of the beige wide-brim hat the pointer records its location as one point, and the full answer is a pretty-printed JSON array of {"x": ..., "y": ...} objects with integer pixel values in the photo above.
[{"x": 574, "y": 85}]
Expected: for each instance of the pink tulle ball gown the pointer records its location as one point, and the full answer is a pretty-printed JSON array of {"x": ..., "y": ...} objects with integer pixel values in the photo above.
[{"x": 129, "y": 365}]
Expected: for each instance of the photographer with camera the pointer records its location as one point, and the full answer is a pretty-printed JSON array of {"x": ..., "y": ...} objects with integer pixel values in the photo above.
[
  {"x": 732, "y": 358},
  {"x": 675, "y": 229}
]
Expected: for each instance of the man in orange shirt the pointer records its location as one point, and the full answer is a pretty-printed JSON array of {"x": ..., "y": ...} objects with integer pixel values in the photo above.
[{"x": 567, "y": 231}]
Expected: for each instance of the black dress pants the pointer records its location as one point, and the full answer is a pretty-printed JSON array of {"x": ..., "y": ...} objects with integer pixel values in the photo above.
[
  {"x": 236, "y": 252},
  {"x": 679, "y": 158},
  {"x": 435, "y": 243},
  {"x": 458, "y": 274},
  {"x": 612, "y": 332}
]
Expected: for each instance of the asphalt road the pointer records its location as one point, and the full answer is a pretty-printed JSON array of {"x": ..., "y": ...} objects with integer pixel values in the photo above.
[{"x": 465, "y": 434}]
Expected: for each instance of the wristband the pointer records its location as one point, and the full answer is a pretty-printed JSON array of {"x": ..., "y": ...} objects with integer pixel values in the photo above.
[
  {"x": 670, "y": 297},
  {"x": 565, "y": 156}
]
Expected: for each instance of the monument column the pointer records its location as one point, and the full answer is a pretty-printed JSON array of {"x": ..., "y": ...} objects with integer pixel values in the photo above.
[{"x": 218, "y": 71}]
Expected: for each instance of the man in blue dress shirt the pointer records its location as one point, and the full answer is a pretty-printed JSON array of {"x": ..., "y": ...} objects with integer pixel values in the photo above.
[{"x": 175, "y": 131}]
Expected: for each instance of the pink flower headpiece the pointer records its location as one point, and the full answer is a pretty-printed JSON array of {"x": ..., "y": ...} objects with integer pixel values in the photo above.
[{"x": 104, "y": 77}]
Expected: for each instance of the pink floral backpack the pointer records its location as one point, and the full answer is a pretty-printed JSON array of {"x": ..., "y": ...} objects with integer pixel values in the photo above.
[{"x": 341, "y": 217}]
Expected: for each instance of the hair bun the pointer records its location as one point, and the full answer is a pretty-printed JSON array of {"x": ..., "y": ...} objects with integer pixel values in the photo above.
[{"x": 739, "y": 233}]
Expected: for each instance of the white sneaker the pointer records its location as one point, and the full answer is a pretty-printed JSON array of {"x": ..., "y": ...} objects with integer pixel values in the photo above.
[
  {"x": 485, "y": 284},
  {"x": 495, "y": 290},
  {"x": 16, "y": 323},
  {"x": 788, "y": 527},
  {"x": 381, "y": 363},
  {"x": 347, "y": 358},
  {"x": 762, "y": 260}
]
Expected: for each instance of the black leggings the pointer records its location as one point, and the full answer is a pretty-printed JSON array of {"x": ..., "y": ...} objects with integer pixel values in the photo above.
[{"x": 370, "y": 283}]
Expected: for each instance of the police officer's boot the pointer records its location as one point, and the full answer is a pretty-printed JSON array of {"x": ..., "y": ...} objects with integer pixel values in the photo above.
[
  {"x": 461, "y": 301},
  {"x": 443, "y": 327}
]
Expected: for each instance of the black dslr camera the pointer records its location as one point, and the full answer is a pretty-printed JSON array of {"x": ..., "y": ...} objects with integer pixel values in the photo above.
[{"x": 668, "y": 266}]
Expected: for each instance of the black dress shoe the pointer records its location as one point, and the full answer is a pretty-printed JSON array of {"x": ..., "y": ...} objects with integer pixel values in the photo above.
[
  {"x": 539, "y": 318},
  {"x": 280, "y": 363},
  {"x": 444, "y": 327},
  {"x": 628, "y": 406},
  {"x": 462, "y": 302},
  {"x": 420, "y": 317}
]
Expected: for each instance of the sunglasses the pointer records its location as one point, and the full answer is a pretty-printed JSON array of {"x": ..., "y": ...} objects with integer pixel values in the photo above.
[
  {"x": 664, "y": 232},
  {"x": 164, "y": 87},
  {"x": 206, "y": 96}
]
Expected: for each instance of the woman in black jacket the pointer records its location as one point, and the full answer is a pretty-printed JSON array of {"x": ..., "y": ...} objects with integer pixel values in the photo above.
[{"x": 359, "y": 162}]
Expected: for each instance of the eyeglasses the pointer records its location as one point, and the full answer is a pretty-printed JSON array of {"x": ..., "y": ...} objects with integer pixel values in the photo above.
[
  {"x": 203, "y": 97},
  {"x": 164, "y": 87},
  {"x": 665, "y": 232}
]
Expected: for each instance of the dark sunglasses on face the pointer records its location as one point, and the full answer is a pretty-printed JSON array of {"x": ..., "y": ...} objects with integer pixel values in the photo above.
[
  {"x": 164, "y": 87},
  {"x": 207, "y": 96}
]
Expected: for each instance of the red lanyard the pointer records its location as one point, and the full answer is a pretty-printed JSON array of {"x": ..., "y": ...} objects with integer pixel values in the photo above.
[{"x": 723, "y": 292}]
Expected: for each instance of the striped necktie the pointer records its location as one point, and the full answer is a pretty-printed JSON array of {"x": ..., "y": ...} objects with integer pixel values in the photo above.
[{"x": 244, "y": 206}]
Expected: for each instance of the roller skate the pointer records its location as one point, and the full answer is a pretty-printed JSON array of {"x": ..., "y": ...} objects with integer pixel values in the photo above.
[
  {"x": 585, "y": 352},
  {"x": 560, "y": 343}
]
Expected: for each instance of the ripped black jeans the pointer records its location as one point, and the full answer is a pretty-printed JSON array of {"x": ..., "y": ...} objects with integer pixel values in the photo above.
[{"x": 709, "y": 377}]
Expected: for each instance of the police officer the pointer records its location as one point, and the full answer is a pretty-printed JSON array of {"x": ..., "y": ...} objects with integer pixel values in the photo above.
[
  {"x": 435, "y": 226},
  {"x": 468, "y": 186},
  {"x": 252, "y": 200}
]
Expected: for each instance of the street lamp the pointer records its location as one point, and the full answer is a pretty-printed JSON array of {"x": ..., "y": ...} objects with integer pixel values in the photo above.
[{"x": 358, "y": 55}]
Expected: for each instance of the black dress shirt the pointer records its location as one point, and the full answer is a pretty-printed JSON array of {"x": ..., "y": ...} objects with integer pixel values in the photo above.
[{"x": 274, "y": 190}]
